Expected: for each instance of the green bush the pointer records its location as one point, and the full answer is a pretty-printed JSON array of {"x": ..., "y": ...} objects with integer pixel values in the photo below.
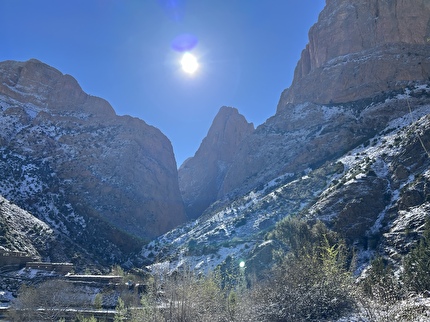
[
  {"x": 312, "y": 282},
  {"x": 416, "y": 274}
]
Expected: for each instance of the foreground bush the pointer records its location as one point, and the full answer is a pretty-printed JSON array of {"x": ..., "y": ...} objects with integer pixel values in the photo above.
[{"x": 312, "y": 282}]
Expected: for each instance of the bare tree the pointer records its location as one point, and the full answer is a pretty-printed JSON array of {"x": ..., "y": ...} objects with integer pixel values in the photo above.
[{"x": 47, "y": 301}]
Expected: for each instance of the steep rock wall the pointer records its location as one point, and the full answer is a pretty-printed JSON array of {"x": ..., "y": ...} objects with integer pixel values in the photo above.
[
  {"x": 360, "y": 48},
  {"x": 201, "y": 176},
  {"x": 79, "y": 167}
]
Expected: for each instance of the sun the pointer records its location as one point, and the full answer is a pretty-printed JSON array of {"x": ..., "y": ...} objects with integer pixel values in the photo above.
[{"x": 189, "y": 63}]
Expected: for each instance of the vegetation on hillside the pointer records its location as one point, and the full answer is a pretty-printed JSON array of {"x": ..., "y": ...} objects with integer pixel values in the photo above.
[{"x": 312, "y": 280}]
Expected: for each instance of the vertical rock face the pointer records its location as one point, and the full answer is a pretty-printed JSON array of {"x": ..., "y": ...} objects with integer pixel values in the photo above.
[
  {"x": 360, "y": 48},
  {"x": 362, "y": 25},
  {"x": 201, "y": 176},
  {"x": 103, "y": 180}
]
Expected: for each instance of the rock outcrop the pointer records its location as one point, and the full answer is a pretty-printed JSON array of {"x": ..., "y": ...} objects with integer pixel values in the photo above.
[
  {"x": 359, "y": 49},
  {"x": 106, "y": 181},
  {"x": 201, "y": 176}
]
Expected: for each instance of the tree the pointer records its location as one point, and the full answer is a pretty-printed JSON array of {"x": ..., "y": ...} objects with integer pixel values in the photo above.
[
  {"x": 380, "y": 292},
  {"x": 312, "y": 281},
  {"x": 381, "y": 285},
  {"x": 187, "y": 297},
  {"x": 416, "y": 264},
  {"x": 47, "y": 301},
  {"x": 98, "y": 301},
  {"x": 121, "y": 311},
  {"x": 151, "y": 303}
]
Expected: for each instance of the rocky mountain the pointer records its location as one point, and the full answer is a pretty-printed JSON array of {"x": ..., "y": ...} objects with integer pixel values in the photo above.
[
  {"x": 106, "y": 182},
  {"x": 348, "y": 145},
  {"x": 201, "y": 176},
  {"x": 358, "y": 53},
  {"x": 375, "y": 195},
  {"x": 359, "y": 49}
]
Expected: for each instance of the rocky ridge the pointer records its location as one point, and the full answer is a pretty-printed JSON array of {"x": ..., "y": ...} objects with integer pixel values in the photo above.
[
  {"x": 106, "y": 181},
  {"x": 376, "y": 195},
  {"x": 348, "y": 145},
  {"x": 201, "y": 176},
  {"x": 302, "y": 136},
  {"x": 358, "y": 53}
]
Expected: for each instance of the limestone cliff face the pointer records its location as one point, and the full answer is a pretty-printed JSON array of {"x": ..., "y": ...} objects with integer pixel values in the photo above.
[
  {"x": 361, "y": 55},
  {"x": 360, "y": 48},
  {"x": 70, "y": 160},
  {"x": 201, "y": 176}
]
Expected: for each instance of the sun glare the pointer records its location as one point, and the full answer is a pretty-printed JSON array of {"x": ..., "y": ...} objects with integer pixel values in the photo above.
[{"x": 189, "y": 63}]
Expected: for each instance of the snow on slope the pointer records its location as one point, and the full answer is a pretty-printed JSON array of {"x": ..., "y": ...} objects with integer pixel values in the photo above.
[{"x": 235, "y": 228}]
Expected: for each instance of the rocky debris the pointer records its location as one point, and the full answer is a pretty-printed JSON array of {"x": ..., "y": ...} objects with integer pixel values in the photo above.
[
  {"x": 374, "y": 207},
  {"x": 103, "y": 180},
  {"x": 376, "y": 196},
  {"x": 201, "y": 176},
  {"x": 354, "y": 208}
]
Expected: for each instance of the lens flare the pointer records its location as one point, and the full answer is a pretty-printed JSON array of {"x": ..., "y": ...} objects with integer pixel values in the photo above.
[{"x": 184, "y": 43}]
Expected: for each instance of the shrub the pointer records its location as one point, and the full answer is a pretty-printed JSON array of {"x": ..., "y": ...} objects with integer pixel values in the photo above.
[
  {"x": 185, "y": 296},
  {"x": 380, "y": 284},
  {"x": 312, "y": 282},
  {"x": 54, "y": 296},
  {"x": 416, "y": 274}
]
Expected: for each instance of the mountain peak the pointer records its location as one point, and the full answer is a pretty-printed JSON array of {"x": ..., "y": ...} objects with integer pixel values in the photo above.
[
  {"x": 37, "y": 83},
  {"x": 200, "y": 177},
  {"x": 96, "y": 177}
]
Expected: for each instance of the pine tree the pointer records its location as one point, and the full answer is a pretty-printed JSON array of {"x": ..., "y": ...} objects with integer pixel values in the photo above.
[{"x": 416, "y": 273}]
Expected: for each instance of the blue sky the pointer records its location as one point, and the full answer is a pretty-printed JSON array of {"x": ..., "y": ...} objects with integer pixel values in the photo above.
[{"x": 121, "y": 50}]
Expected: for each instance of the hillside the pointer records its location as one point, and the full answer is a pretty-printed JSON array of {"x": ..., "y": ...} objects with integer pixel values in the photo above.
[
  {"x": 372, "y": 195},
  {"x": 94, "y": 177},
  {"x": 22, "y": 232}
]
